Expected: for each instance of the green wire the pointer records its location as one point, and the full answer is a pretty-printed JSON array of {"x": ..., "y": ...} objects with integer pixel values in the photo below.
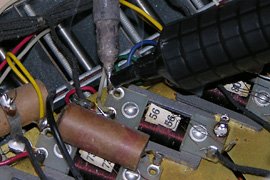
[{"x": 123, "y": 57}]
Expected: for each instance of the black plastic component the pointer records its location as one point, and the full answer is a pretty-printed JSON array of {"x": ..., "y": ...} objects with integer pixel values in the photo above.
[
  {"x": 216, "y": 44},
  {"x": 145, "y": 69}
]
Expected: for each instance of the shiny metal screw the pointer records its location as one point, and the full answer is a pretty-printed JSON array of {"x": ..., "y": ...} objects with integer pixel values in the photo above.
[{"x": 130, "y": 110}]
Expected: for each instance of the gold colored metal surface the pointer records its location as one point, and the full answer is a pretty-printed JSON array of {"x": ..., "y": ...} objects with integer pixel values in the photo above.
[{"x": 252, "y": 149}]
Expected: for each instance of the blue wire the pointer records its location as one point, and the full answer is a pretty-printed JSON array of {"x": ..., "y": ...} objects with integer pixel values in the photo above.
[{"x": 137, "y": 46}]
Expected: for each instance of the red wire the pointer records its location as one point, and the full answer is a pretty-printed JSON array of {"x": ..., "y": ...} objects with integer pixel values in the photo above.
[
  {"x": 73, "y": 91},
  {"x": 14, "y": 159},
  {"x": 70, "y": 93},
  {"x": 17, "y": 49}
]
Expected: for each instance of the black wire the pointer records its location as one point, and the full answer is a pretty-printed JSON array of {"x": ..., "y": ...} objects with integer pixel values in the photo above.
[
  {"x": 237, "y": 174},
  {"x": 58, "y": 138},
  {"x": 70, "y": 57},
  {"x": 72, "y": 61},
  {"x": 32, "y": 157},
  {"x": 179, "y": 6},
  {"x": 13, "y": 28},
  {"x": 243, "y": 169},
  {"x": 249, "y": 114}
]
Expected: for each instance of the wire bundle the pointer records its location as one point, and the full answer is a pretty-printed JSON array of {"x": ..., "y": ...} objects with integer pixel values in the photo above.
[
  {"x": 137, "y": 46},
  {"x": 17, "y": 49},
  {"x": 18, "y": 27}
]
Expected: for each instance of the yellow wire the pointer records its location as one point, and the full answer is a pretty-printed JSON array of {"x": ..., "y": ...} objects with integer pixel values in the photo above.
[
  {"x": 140, "y": 11},
  {"x": 16, "y": 71},
  {"x": 30, "y": 78}
]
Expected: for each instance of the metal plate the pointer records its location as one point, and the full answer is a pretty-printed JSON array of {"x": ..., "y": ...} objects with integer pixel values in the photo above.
[
  {"x": 53, "y": 161},
  {"x": 129, "y": 96},
  {"x": 261, "y": 110},
  {"x": 198, "y": 146}
]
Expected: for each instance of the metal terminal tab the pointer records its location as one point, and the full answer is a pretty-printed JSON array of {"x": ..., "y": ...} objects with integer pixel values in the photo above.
[
  {"x": 15, "y": 146},
  {"x": 7, "y": 103},
  {"x": 210, "y": 153}
]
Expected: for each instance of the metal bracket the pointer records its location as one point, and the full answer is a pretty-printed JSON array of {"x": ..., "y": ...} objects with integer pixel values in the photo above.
[
  {"x": 54, "y": 159},
  {"x": 146, "y": 170},
  {"x": 9, "y": 107},
  {"x": 129, "y": 106},
  {"x": 187, "y": 155},
  {"x": 259, "y": 100}
]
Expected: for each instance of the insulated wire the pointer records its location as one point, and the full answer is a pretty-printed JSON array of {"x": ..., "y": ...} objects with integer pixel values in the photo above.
[
  {"x": 14, "y": 159},
  {"x": 243, "y": 169},
  {"x": 58, "y": 138},
  {"x": 73, "y": 91},
  {"x": 100, "y": 88},
  {"x": 30, "y": 78},
  {"x": 71, "y": 60},
  {"x": 144, "y": 14},
  {"x": 16, "y": 71},
  {"x": 103, "y": 109},
  {"x": 25, "y": 51},
  {"x": 6, "y": 5},
  {"x": 17, "y": 49},
  {"x": 122, "y": 59},
  {"x": 32, "y": 157},
  {"x": 137, "y": 46}
]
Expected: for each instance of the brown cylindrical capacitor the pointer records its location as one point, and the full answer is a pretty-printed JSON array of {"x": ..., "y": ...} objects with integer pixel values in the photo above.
[
  {"x": 27, "y": 104},
  {"x": 105, "y": 138}
]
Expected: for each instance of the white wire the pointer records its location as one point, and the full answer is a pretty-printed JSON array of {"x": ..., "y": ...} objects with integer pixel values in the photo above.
[
  {"x": 4, "y": 4},
  {"x": 25, "y": 51}
]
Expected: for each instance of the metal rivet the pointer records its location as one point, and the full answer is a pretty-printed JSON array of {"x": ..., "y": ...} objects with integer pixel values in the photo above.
[
  {"x": 130, "y": 175},
  {"x": 262, "y": 98},
  {"x": 130, "y": 110},
  {"x": 118, "y": 93},
  {"x": 198, "y": 133},
  {"x": 57, "y": 152},
  {"x": 153, "y": 170},
  {"x": 224, "y": 117}
]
